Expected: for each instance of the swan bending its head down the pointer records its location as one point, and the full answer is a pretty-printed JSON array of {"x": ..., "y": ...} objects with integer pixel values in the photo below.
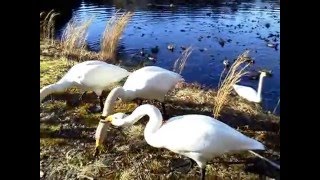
[
  {"x": 88, "y": 75},
  {"x": 149, "y": 82},
  {"x": 198, "y": 137},
  {"x": 249, "y": 93}
]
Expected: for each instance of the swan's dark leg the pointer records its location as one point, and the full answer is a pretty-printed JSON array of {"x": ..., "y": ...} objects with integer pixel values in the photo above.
[
  {"x": 189, "y": 164},
  {"x": 96, "y": 152},
  {"x": 165, "y": 116},
  {"x": 101, "y": 103},
  {"x": 139, "y": 101},
  {"x": 83, "y": 94},
  {"x": 203, "y": 173}
]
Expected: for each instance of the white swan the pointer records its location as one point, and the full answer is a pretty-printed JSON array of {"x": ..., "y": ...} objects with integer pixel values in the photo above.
[
  {"x": 249, "y": 93},
  {"x": 90, "y": 76},
  {"x": 150, "y": 82},
  {"x": 198, "y": 137}
]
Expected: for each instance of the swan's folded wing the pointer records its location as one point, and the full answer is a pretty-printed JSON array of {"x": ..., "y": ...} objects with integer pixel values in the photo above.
[
  {"x": 205, "y": 136},
  {"x": 244, "y": 91}
]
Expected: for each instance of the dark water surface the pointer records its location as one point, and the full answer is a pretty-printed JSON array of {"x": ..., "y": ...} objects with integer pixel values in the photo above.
[{"x": 241, "y": 24}]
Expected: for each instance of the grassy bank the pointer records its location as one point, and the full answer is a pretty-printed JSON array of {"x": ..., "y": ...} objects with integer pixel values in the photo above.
[{"x": 67, "y": 133}]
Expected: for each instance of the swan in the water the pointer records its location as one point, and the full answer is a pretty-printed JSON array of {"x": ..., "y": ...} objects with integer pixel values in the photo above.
[
  {"x": 249, "y": 93},
  {"x": 89, "y": 76},
  {"x": 198, "y": 137},
  {"x": 150, "y": 82}
]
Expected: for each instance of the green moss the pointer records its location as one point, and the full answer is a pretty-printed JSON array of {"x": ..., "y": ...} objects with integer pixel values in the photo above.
[
  {"x": 48, "y": 130},
  {"x": 51, "y": 70},
  {"x": 81, "y": 113},
  {"x": 90, "y": 120},
  {"x": 126, "y": 107},
  {"x": 52, "y": 142},
  {"x": 56, "y": 106}
]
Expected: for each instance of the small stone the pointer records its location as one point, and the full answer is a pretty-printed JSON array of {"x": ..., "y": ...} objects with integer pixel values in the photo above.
[
  {"x": 48, "y": 117},
  {"x": 41, "y": 174},
  {"x": 67, "y": 118},
  {"x": 43, "y": 115}
]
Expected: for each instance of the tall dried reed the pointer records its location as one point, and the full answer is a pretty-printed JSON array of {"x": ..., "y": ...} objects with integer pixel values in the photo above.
[
  {"x": 47, "y": 23},
  {"x": 112, "y": 34},
  {"x": 236, "y": 71},
  {"x": 181, "y": 61},
  {"x": 74, "y": 36}
]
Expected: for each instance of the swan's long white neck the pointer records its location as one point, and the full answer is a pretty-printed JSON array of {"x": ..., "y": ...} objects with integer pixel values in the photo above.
[
  {"x": 115, "y": 93},
  {"x": 155, "y": 122},
  {"x": 260, "y": 85},
  {"x": 60, "y": 86}
]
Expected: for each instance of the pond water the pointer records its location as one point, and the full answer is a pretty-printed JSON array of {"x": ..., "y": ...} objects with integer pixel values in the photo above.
[{"x": 202, "y": 24}]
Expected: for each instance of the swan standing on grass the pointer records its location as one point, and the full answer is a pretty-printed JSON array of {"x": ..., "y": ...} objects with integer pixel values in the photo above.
[
  {"x": 249, "y": 93},
  {"x": 150, "y": 82},
  {"x": 90, "y": 76},
  {"x": 198, "y": 137}
]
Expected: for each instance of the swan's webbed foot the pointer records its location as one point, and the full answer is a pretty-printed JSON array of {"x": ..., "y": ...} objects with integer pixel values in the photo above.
[
  {"x": 95, "y": 109},
  {"x": 182, "y": 165}
]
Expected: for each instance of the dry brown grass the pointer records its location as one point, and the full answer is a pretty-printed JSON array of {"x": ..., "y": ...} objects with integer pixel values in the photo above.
[
  {"x": 181, "y": 61},
  {"x": 236, "y": 71},
  {"x": 112, "y": 34},
  {"x": 47, "y": 23},
  {"x": 74, "y": 37},
  {"x": 76, "y": 163}
]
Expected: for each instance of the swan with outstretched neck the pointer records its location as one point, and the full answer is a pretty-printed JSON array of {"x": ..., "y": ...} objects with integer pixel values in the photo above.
[
  {"x": 198, "y": 137},
  {"x": 249, "y": 93},
  {"x": 89, "y": 76},
  {"x": 150, "y": 82}
]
